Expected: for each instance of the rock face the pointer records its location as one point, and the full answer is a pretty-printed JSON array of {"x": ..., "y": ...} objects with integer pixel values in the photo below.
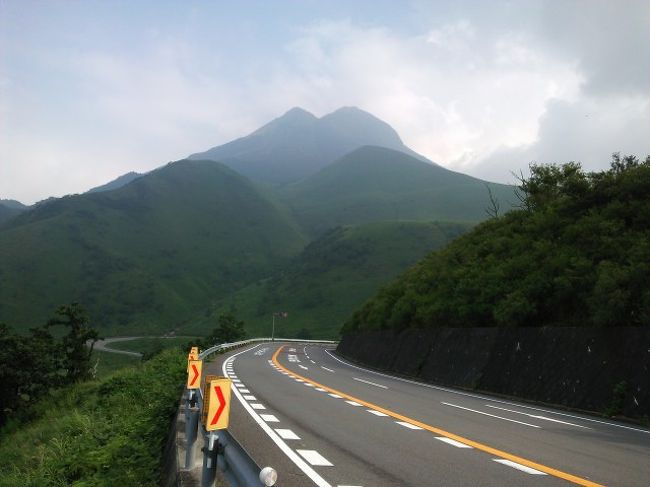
[{"x": 604, "y": 370}]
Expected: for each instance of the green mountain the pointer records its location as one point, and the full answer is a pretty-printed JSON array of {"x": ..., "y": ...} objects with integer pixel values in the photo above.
[
  {"x": 116, "y": 183},
  {"x": 298, "y": 144},
  {"x": 10, "y": 209},
  {"x": 143, "y": 257},
  {"x": 331, "y": 277},
  {"x": 376, "y": 184},
  {"x": 576, "y": 254}
]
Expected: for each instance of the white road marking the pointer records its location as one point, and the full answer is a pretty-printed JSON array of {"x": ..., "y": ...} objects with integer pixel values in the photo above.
[
  {"x": 518, "y": 466},
  {"x": 319, "y": 389},
  {"x": 408, "y": 425},
  {"x": 292, "y": 349},
  {"x": 250, "y": 398},
  {"x": 315, "y": 458},
  {"x": 299, "y": 462},
  {"x": 244, "y": 391},
  {"x": 353, "y": 403},
  {"x": 335, "y": 396},
  {"x": 299, "y": 380},
  {"x": 329, "y": 370},
  {"x": 287, "y": 434},
  {"x": 491, "y": 415},
  {"x": 236, "y": 381},
  {"x": 377, "y": 413},
  {"x": 451, "y": 442},
  {"x": 240, "y": 385},
  {"x": 538, "y": 417},
  {"x": 309, "y": 385},
  {"x": 257, "y": 405},
  {"x": 371, "y": 383},
  {"x": 484, "y": 398},
  {"x": 312, "y": 361},
  {"x": 269, "y": 418},
  {"x": 303, "y": 367}
]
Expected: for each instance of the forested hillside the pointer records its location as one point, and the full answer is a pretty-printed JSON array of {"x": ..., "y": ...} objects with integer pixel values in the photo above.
[
  {"x": 576, "y": 253},
  {"x": 331, "y": 277}
]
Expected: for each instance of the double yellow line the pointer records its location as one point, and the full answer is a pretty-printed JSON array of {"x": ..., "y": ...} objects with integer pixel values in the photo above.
[{"x": 479, "y": 446}]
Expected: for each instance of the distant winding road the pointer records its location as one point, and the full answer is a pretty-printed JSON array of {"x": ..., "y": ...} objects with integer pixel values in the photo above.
[{"x": 102, "y": 345}]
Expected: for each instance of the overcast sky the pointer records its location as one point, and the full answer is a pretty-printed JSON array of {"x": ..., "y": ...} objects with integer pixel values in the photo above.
[{"x": 90, "y": 90}]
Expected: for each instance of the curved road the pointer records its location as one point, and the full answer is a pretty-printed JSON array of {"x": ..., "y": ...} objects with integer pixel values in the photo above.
[{"x": 322, "y": 421}]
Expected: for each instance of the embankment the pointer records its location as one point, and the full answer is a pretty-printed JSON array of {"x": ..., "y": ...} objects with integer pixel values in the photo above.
[{"x": 591, "y": 369}]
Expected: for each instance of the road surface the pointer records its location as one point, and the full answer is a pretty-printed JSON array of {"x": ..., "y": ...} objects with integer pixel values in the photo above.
[{"x": 319, "y": 420}]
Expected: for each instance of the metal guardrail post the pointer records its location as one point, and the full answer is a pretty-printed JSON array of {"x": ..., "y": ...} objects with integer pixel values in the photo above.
[
  {"x": 191, "y": 427},
  {"x": 211, "y": 444}
]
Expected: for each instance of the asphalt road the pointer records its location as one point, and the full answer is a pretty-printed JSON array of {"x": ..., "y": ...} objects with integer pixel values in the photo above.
[{"x": 321, "y": 421}]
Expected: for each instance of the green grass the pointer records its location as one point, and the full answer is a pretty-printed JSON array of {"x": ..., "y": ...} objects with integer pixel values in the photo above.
[
  {"x": 151, "y": 344},
  {"x": 106, "y": 362},
  {"x": 333, "y": 276},
  {"x": 98, "y": 433}
]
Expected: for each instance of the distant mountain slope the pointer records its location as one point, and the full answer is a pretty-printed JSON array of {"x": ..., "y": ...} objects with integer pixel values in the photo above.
[
  {"x": 332, "y": 276},
  {"x": 298, "y": 144},
  {"x": 10, "y": 209},
  {"x": 123, "y": 180},
  {"x": 376, "y": 184},
  {"x": 143, "y": 257},
  {"x": 577, "y": 254}
]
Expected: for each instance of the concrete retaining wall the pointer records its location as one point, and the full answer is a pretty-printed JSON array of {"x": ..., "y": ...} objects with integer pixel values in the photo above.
[{"x": 573, "y": 367}]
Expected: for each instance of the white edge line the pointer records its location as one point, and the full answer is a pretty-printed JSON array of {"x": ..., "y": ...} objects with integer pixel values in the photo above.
[
  {"x": 485, "y": 398},
  {"x": 293, "y": 456},
  {"x": 368, "y": 382}
]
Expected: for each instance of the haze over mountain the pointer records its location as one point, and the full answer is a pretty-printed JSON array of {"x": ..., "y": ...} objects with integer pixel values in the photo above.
[
  {"x": 298, "y": 144},
  {"x": 9, "y": 209},
  {"x": 147, "y": 253}
]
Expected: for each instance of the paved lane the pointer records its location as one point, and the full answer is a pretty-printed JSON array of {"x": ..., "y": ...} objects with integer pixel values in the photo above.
[{"x": 320, "y": 421}]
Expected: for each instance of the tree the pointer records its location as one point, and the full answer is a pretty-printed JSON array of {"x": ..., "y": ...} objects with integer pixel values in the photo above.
[
  {"x": 76, "y": 353},
  {"x": 228, "y": 330}
]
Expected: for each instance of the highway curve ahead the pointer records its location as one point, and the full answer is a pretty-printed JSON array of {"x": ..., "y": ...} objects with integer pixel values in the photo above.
[{"x": 321, "y": 421}]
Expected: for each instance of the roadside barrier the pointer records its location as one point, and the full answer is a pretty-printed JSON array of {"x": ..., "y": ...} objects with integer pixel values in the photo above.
[{"x": 206, "y": 413}]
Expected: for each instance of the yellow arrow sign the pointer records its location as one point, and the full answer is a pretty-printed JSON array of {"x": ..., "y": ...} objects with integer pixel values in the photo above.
[
  {"x": 194, "y": 374},
  {"x": 219, "y": 404},
  {"x": 194, "y": 350}
]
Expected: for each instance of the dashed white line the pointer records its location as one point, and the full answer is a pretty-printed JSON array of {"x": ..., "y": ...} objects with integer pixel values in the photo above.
[
  {"x": 303, "y": 367},
  {"x": 299, "y": 380},
  {"x": 491, "y": 415},
  {"x": 518, "y": 466},
  {"x": 353, "y": 403},
  {"x": 329, "y": 370},
  {"x": 320, "y": 389},
  {"x": 250, "y": 398},
  {"x": 257, "y": 405},
  {"x": 240, "y": 385},
  {"x": 309, "y": 385},
  {"x": 244, "y": 391},
  {"x": 299, "y": 462},
  {"x": 312, "y": 361},
  {"x": 377, "y": 413},
  {"x": 269, "y": 418},
  {"x": 371, "y": 383},
  {"x": 287, "y": 434},
  {"x": 335, "y": 396},
  {"x": 408, "y": 425},
  {"x": 315, "y": 458},
  {"x": 451, "y": 442}
]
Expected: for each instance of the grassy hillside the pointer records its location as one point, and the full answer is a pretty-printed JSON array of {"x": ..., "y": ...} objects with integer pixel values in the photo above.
[
  {"x": 98, "y": 432},
  {"x": 333, "y": 276},
  {"x": 378, "y": 184},
  {"x": 576, "y": 254},
  {"x": 144, "y": 257}
]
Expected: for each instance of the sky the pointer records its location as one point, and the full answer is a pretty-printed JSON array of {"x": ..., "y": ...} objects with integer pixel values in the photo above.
[{"x": 90, "y": 90}]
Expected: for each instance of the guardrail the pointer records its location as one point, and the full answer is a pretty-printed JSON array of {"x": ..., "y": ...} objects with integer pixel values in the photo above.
[{"x": 220, "y": 449}]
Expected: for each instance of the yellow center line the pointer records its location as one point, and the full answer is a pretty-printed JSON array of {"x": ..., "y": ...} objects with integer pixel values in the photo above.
[{"x": 440, "y": 432}]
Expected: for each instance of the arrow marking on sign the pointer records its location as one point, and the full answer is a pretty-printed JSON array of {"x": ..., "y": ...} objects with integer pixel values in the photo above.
[
  {"x": 196, "y": 374},
  {"x": 222, "y": 405}
]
